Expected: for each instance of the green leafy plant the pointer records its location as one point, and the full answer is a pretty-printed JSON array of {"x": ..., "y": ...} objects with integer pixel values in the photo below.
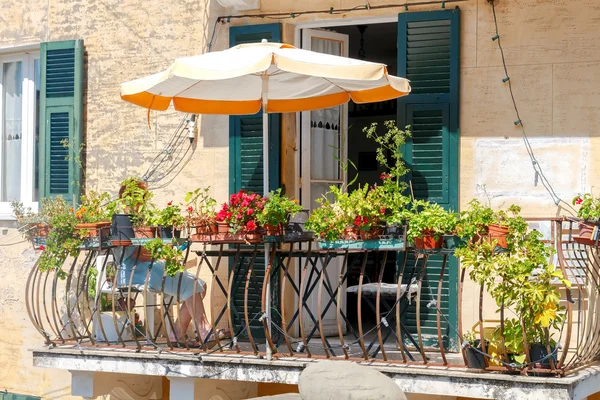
[
  {"x": 589, "y": 207},
  {"x": 29, "y": 223},
  {"x": 95, "y": 207},
  {"x": 170, "y": 216},
  {"x": 62, "y": 240},
  {"x": 429, "y": 218},
  {"x": 136, "y": 200},
  {"x": 169, "y": 253},
  {"x": 277, "y": 209},
  {"x": 328, "y": 221},
  {"x": 470, "y": 337},
  {"x": 474, "y": 221},
  {"x": 200, "y": 207},
  {"x": 390, "y": 144}
]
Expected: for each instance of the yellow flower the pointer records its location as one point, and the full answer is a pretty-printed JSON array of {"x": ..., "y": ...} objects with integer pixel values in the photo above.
[{"x": 547, "y": 316}]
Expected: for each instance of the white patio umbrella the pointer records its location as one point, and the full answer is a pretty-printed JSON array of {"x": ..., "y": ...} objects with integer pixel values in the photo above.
[{"x": 278, "y": 77}]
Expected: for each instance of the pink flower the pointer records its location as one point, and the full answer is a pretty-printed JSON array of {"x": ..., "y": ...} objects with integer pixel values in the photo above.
[
  {"x": 579, "y": 200},
  {"x": 239, "y": 216},
  {"x": 221, "y": 216},
  {"x": 249, "y": 211},
  {"x": 170, "y": 203},
  {"x": 250, "y": 225},
  {"x": 245, "y": 203},
  {"x": 42, "y": 247}
]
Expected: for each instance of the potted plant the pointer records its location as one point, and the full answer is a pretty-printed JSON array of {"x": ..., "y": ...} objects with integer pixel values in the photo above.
[
  {"x": 589, "y": 212},
  {"x": 508, "y": 227},
  {"x": 170, "y": 221},
  {"x": 240, "y": 215},
  {"x": 169, "y": 253},
  {"x": 474, "y": 221},
  {"x": 328, "y": 222},
  {"x": 134, "y": 211},
  {"x": 428, "y": 223},
  {"x": 62, "y": 241},
  {"x": 31, "y": 225},
  {"x": 201, "y": 216},
  {"x": 276, "y": 212},
  {"x": 388, "y": 205},
  {"x": 473, "y": 353},
  {"x": 93, "y": 217}
]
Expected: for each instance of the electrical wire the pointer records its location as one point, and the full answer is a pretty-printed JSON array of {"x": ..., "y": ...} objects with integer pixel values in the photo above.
[
  {"x": 536, "y": 165},
  {"x": 334, "y": 11}
]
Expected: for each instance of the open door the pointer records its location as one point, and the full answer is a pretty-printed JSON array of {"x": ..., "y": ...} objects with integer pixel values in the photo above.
[{"x": 323, "y": 155}]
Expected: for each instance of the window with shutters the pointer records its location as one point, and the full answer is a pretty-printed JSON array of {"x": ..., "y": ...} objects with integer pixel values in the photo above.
[{"x": 19, "y": 130}]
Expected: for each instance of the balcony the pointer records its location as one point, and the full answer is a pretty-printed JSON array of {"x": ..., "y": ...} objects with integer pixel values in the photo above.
[{"x": 380, "y": 304}]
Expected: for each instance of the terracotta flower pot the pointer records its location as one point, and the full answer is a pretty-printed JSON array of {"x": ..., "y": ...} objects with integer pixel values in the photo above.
[
  {"x": 41, "y": 230},
  {"x": 428, "y": 241},
  {"x": 91, "y": 230},
  {"x": 373, "y": 234},
  {"x": 498, "y": 233},
  {"x": 144, "y": 232},
  {"x": 276, "y": 230},
  {"x": 254, "y": 236},
  {"x": 350, "y": 233},
  {"x": 222, "y": 228},
  {"x": 586, "y": 230}
]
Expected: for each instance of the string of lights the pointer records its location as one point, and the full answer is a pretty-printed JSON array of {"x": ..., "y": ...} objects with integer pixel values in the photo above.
[
  {"x": 336, "y": 11},
  {"x": 539, "y": 173}
]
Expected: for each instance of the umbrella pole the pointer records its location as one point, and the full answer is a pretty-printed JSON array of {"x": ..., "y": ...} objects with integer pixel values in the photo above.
[{"x": 265, "y": 121}]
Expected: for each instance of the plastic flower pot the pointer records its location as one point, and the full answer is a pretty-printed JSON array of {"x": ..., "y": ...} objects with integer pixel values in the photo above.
[
  {"x": 428, "y": 242},
  {"x": 121, "y": 227},
  {"x": 393, "y": 230},
  {"x": 538, "y": 351},
  {"x": 474, "y": 358},
  {"x": 498, "y": 233},
  {"x": 168, "y": 232}
]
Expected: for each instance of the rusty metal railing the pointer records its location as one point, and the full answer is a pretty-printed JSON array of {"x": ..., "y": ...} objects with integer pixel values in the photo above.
[{"x": 346, "y": 303}]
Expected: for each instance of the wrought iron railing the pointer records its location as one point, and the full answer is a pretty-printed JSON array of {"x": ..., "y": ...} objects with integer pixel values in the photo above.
[{"x": 292, "y": 299}]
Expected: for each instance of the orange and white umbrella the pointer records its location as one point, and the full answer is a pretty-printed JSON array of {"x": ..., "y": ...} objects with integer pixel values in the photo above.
[{"x": 273, "y": 76}]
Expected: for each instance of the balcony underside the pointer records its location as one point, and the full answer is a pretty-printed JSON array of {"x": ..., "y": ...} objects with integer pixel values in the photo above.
[{"x": 443, "y": 381}]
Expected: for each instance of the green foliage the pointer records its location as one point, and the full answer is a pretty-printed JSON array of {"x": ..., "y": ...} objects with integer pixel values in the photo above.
[
  {"x": 94, "y": 208},
  {"x": 136, "y": 200},
  {"x": 200, "y": 205},
  {"x": 589, "y": 206},
  {"x": 27, "y": 219},
  {"x": 327, "y": 221},
  {"x": 425, "y": 217},
  {"x": 470, "y": 337},
  {"x": 170, "y": 216},
  {"x": 277, "y": 208},
  {"x": 390, "y": 142},
  {"x": 474, "y": 220},
  {"x": 170, "y": 254},
  {"x": 61, "y": 241}
]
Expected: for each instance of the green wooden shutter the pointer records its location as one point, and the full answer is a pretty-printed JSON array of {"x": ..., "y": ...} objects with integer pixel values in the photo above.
[
  {"x": 61, "y": 118},
  {"x": 246, "y": 169},
  {"x": 13, "y": 396},
  {"x": 428, "y": 55}
]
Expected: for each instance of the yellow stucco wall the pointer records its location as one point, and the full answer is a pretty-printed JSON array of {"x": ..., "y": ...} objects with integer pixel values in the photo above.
[{"x": 553, "y": 54}]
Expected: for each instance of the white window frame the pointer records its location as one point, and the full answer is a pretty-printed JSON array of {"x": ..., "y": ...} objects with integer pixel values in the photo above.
[{"x": 28, "y": 150}]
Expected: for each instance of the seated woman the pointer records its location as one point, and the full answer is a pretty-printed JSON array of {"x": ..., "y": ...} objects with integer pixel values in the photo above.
[{"x": 136, "y": 267}]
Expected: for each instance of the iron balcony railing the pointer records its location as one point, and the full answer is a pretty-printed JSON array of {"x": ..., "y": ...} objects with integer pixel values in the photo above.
[{"x": 302, "y": 299}]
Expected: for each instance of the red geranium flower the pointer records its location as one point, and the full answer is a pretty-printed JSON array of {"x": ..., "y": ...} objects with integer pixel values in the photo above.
[
  {"x": 249, "y": 211},
  {"x": 42, "y": 247},
  {"x": 382, "y": 210},
  {"x": 239, "y": 216},
  {"x": 385, "y": 176},
  {"x": 250, "y": 225},
  {"x": 190, "y": 209},
  {"x": 579, "y": 201},
  {"x": 170, "y": 203}
]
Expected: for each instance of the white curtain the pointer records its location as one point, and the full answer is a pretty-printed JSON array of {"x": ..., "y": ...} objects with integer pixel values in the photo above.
[
  {"x": 325, "y": 136},
  {"x": 12, "y": 132}
]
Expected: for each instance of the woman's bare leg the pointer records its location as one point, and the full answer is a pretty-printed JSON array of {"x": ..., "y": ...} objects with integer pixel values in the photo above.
[{"x": 185, "y": 317}]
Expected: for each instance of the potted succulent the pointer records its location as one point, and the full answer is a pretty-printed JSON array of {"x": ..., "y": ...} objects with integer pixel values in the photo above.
[
  {"x": 589, "y": 212},
  {"x": 428, "y": 223},
  {"x": 240, "y": 215},
  {"x": 473, "y": 352},
  {"x": 276, "y": 212},
  {"x": 201, "y": 216},
  {"x": 170, "y": 221},
  {"x": 134, "y": 211}
]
